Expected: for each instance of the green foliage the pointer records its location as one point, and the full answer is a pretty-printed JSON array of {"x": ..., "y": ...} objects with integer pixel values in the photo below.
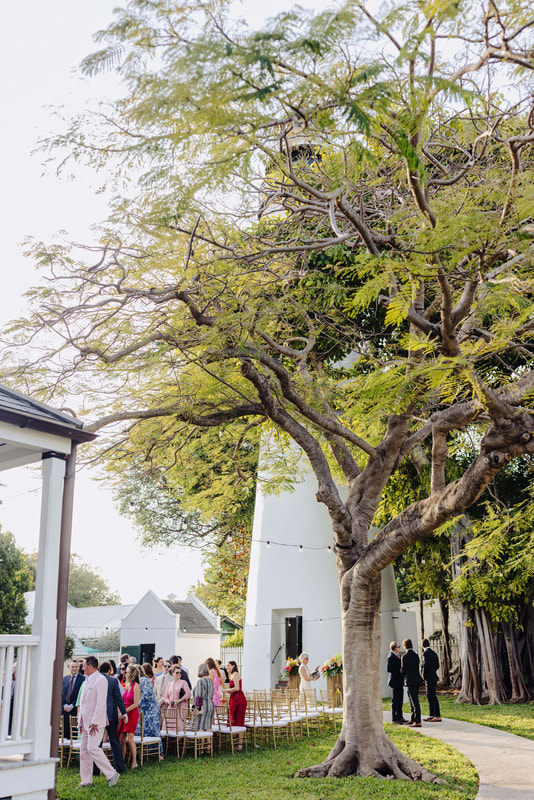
[
  {"x": 15, "y": 579},
  {"x": 106, "y": 642},
  {"x": 69, "y": 646},
  {"x": 87, "y": 587},
  {"x": 235, "y": 640}
]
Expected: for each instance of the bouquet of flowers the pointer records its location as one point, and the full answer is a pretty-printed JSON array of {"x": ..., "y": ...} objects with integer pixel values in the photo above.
[
  {"x": 333, "y": 666},
  {"x": 291, "y": 667}
]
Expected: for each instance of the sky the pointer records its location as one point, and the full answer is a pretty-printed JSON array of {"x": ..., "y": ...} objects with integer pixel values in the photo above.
[{"x": 37, "y": 63}]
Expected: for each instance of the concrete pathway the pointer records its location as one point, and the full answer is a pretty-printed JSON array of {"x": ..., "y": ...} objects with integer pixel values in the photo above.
[{"x": 504, "y": 762}]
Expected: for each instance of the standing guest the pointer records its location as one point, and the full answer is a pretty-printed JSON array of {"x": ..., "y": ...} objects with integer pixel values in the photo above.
[
  {"x": 412, "y": 678},
  {"x": 92, "y": 721},
  {"x": 223, "y": 670},
  {"x": 430, "y": 676},
  {"x": 114, "y": 702},
  {"x": 216, "y": 677},
  {"x": 121, "y": 675},
  {"x": 185, "y": 672},
  {"x": 69, "y": 695},
  {"x": 396, "y": 683},
  {"x": 305, "y": 678},
  {"x": 113, "y": 666},
  {"x": 158, "y": 666},
  {"x": 149, "y": 672},
  {"x": 161, "y": 681},
  {"x": 131, "y": 697},
  {"x": 150, "y": 708},
  {"x": 238, "y": 701},
  {"x": 177, "y": 694},
  {"x": 203, "y": 694},
  {"x": 125, "y": 658}
]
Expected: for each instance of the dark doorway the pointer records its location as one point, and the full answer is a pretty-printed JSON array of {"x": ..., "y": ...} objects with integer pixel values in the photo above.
[
  {"x": 293, "y": 637},
  {"x": 147, "y": 653}
]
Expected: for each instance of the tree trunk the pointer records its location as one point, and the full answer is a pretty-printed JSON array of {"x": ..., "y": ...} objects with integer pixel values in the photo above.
[
  {"x": 519, "y": 691},
  {"x": 363, "y": 748},
  {"x": 421, "y": 616},
  {"x": 445, "y": 644}
]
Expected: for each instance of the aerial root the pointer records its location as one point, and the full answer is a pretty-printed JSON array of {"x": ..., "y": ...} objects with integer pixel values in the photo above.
[{"x": 388, "y": 764}]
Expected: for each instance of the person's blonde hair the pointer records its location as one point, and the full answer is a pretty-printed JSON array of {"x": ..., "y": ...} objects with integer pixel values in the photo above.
[{"x": 133, "y": 673}]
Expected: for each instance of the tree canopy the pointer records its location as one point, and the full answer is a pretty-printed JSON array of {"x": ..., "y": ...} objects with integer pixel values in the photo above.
[
  {"x": 15, "y": 579},
  {"x": 330, "y": 242},
  {"x": 87, "y": 587}
]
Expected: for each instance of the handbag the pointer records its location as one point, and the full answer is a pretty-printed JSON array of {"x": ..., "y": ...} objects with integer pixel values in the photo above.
[{"x": 198, "y": 702}]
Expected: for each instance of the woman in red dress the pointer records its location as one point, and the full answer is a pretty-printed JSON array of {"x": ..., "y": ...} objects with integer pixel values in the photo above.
[
  {"x": 238, "y": 701},
  {"x": 131, "y": 698}
]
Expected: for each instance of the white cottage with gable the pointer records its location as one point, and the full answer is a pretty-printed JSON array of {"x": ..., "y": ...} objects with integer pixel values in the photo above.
[
  {"x": 293, "y": 602},
  {"x": 171, "y": 627},
  {"x": 32, "y": 433}
]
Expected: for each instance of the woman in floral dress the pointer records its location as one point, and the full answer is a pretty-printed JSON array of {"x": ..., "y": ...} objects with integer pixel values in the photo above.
[
  {"x": 150, "y": 708},
  {"x": 216, "y": 677}
]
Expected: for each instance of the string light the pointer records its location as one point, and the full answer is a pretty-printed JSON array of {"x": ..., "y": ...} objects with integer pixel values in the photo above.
[{"x": 269, "y": 542}]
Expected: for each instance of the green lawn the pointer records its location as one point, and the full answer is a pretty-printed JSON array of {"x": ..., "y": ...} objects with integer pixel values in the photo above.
[
  {"x": 264, "y": 774},
  {"x": 518, "y": 719}
]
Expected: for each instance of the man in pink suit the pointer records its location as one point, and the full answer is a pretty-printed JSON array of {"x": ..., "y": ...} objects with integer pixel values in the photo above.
[{"x": 92, "y": 719}]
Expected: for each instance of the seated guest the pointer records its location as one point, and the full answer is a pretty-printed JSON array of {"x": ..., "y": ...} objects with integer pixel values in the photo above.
[
  {"x": 69, "y": 696},
  {"x": 177, "y": 694}
]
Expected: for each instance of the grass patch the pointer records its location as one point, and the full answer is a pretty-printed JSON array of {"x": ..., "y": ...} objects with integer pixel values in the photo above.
[
  {"x": 517, "y": 718},
  {"x": 264, "y": 774}
]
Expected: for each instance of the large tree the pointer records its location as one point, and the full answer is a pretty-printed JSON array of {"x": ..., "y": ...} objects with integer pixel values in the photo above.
[
  {"x": 15, "y": 579},
  {"x": 405, "y": 141}
]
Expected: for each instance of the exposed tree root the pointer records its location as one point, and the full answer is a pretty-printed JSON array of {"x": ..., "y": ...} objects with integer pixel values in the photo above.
[{"x": 382, "y": 760}]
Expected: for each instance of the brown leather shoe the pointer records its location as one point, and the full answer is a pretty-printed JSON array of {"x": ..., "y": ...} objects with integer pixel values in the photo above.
[
  {"x": 435, "y": 719},
  {"x": 428, "y": 719},
  {"x": 414, "y": 724}
]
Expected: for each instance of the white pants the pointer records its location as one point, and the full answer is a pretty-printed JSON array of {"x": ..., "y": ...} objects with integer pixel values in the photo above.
[{"x": 91, "y": 753}]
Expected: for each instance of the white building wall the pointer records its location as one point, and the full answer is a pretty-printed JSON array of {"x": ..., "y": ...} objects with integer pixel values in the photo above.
[
  {"x": 151, "y": 621},
  {"x": 195, "y": 649},
  {"x": 286, "y": 581}
]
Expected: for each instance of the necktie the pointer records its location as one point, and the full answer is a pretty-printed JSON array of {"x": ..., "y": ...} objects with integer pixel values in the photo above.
[{"x": 69, "y": 690}]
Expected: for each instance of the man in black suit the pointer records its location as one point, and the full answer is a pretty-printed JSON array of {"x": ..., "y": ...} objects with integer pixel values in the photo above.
[
  {"x": 69, "y": 695},
  {"x": 430, "y": 670},
  {"x": 412, "y": 679},
  {"x": 397, "y": 684}
]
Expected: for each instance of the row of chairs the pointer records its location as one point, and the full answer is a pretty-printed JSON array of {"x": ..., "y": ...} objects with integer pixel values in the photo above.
[
  {"x": 69, "y": 747},
  {"x": 271, "y": 716}
]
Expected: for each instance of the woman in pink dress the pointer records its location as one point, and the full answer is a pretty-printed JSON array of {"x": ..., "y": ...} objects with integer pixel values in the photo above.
[
  {"x": 218, "y": 682},
  {"x": 176, "y": 695},
  {"x": 131, "y": 697}
]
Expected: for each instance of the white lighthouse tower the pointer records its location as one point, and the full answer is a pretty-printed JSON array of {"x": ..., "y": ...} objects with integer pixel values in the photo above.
[{"x": 293, "y": 599}]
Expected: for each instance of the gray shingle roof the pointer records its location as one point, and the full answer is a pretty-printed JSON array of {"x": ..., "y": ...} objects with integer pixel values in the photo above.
[
  {"x": 20, "y": 409},
  {"x": 191, "y": 620}
]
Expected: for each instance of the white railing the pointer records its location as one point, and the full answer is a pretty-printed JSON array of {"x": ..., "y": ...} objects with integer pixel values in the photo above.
[{"x": 14, "y": 695}]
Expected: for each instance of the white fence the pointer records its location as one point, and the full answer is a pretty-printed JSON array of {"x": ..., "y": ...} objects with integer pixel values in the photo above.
[{"x": 14, "y": 694}]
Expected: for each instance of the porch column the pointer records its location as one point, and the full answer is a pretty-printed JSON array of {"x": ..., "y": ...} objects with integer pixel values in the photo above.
[{"x": 44, "y": 621}]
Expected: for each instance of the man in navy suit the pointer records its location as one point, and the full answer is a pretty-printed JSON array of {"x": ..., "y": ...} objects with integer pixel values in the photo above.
[
  {"x": 396, "y": 683},
  {"x": 114, "y": 702},
  {"x": 69, "y": 695},
  {"x": 412, "y": 678},
  {"x": 430, "y": 670}
]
